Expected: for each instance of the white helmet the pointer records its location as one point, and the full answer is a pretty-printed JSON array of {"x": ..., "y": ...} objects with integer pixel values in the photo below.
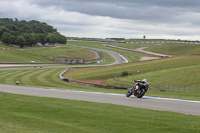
[{"x": 145, "y": 80}]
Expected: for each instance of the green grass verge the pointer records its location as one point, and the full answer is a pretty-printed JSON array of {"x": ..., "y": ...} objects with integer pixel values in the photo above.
[
  {"x": 27, "y": 114},
  {"x": 64, "y": 51}
]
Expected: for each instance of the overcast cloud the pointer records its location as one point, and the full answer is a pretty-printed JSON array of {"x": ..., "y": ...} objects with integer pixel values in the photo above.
[{"x": 167, "y": 19}]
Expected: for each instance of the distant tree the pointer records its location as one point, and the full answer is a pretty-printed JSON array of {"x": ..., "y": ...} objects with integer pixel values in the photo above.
[
  {"x": 36, "y": 36},
  {"x": 11, "y": 39},
  {"x": 16, "y": 20},
  {"x": 5, "y": 37},
  {"x": 2, "y": 30},
  {"x": 32, "y": 40},
  {"x": 38, "y": 29},
  {"x": 20, "y": 40},
  {"x": 42, "y": 38},
  {"x": 51, "y": 38},
  {"x": 61, "y": 39}
]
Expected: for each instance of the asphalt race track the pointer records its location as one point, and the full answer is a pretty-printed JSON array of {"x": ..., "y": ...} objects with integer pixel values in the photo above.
[{"x": 155, "y": 103}]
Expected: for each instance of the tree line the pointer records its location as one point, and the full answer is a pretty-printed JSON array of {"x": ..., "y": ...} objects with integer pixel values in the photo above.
[{"x": 28, "y": 33}]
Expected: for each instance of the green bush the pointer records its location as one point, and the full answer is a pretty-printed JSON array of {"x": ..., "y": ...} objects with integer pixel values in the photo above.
[{"x": 125, "y": 73}]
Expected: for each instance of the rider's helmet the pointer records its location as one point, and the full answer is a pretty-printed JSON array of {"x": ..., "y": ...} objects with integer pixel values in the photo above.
[{"x": 145, "y": 80}]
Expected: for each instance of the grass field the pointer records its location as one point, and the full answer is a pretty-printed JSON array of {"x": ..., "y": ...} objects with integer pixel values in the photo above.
[
  {"x": 9, "y": 54},
  {"x": 26, "y": 114},
  {"x": 64, "y": 51},
  {"x": 26, "y": 55},
  {"x": 46, "y": 78}
]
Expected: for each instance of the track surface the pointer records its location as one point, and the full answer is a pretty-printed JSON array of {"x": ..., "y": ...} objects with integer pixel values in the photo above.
[{"x": 163, "y": 104}]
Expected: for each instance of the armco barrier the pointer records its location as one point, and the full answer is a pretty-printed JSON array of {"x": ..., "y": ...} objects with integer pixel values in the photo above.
[
  {"x": 88, "y": 84},
  {"x": 63, "y": 78}
]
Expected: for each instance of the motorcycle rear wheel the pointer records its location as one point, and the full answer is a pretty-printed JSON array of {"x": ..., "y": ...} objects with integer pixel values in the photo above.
[{"x": 141, "y": 94}]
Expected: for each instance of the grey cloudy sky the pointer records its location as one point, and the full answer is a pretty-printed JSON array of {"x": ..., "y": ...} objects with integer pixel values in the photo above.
[{"x": 167, "y": 19}]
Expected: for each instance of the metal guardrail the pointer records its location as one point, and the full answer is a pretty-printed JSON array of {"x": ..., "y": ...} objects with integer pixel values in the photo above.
[{"x": 63, "y": 78}]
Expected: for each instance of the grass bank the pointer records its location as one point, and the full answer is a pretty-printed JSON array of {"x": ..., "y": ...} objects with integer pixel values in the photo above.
[
  {"x": 181, "y": 70},
  {"x": 45, "y": 78},
  {"x": 13, "y": 55},
  {"x": 26, "y": 114},
  {"x": 26, "y": 55},
  {"x": 64, "y": 51},
  {"x": 178, "y": 71}
]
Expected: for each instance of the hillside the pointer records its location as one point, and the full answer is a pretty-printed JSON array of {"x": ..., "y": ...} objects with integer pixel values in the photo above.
[{"x": 177, "y": 71}]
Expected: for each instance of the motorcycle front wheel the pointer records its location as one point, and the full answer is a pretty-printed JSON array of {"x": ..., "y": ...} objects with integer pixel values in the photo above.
[{"x": 128, "y": 94}]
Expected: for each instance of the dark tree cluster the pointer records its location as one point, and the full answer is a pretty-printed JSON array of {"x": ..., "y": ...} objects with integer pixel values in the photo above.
[{"x": 28, "y": 33}]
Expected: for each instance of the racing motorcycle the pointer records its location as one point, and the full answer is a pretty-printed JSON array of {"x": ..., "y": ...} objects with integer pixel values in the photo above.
[{"x": 139, "y": 89}]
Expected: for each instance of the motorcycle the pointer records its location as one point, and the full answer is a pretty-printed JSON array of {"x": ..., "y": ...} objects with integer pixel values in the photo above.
[{"x": 139, "y": 89}]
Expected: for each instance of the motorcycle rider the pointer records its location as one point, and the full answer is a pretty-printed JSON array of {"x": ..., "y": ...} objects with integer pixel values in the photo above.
[
  {"x": 144, "y": 83},
  {"x": 139, "y": 89}
]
